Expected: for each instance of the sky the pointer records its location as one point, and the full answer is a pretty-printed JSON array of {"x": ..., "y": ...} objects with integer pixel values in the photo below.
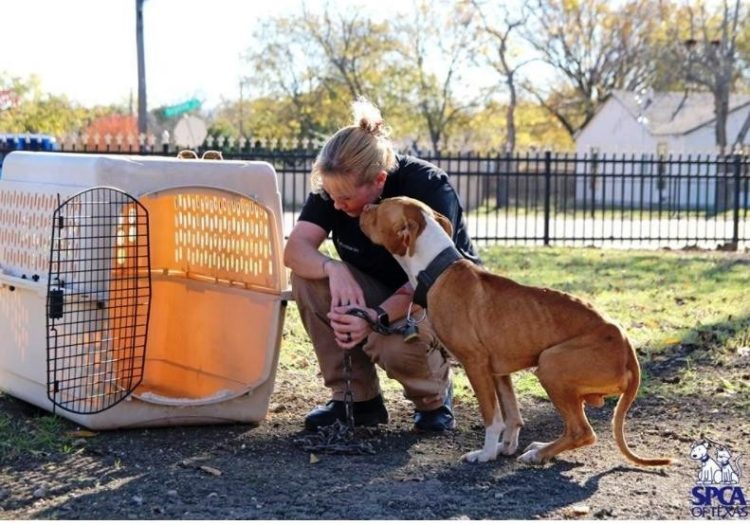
[{"x": 86, "y": 49}]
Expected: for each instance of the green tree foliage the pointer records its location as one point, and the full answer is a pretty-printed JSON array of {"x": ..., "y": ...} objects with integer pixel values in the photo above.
[
  {"x": 40, "y": 112},
  {"x": 485, "y": 129}
]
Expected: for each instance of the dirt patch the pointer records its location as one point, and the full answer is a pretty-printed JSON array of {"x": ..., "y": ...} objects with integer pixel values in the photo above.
[{"x": 244, "y": 472}]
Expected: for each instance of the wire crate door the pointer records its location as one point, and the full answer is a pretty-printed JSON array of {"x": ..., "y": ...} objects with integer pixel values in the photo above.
[{"x": 98, "y": 300}]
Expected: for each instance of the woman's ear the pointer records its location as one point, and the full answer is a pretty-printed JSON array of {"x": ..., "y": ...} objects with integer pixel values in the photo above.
[{"x": 380, "y": 178}]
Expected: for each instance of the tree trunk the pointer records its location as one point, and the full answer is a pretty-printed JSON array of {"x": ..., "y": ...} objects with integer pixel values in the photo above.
[
  {"x": 743, "y": 130},
  {"x": 510, "y": 119},
  {"x": 722, "y": 111}
]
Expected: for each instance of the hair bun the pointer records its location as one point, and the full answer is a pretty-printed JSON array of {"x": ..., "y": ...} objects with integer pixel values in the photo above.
[{"x": 368, "y": 117}]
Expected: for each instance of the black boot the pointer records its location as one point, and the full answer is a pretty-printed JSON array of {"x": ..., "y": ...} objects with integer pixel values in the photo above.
[
  {"x": 439, "y": 419},
  {"x": 366, "y": 413}
]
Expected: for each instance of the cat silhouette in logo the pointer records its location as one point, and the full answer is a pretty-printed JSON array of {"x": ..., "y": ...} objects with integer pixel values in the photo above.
[{"x": 729, "y": 474}]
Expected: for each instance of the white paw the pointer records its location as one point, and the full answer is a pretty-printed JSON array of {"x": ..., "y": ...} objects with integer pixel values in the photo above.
[
  {"x": 477, "y": 456},
  {"x": 536, "y": 445},
  {"x": 531, "y": 457}
]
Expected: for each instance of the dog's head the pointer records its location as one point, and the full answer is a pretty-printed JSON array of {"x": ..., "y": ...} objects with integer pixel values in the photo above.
[{"x": 396, "y": 223}]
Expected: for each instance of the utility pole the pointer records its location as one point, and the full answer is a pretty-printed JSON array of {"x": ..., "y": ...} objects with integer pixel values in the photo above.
[{"x": 142, "y": 106}]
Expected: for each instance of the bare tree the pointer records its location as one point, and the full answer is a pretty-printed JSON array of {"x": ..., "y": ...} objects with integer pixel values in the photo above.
[
  {"x": 502, "y": 56},
  {"x": 594, "y": 48},
  {"x": 356, "y": 49},
  {"x": 284, "y": 66},
  {"x": 705, "y": 44},
  {"x": 437, "y": 45}
]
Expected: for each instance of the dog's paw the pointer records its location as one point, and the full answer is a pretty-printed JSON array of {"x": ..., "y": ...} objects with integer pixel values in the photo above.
[
  {"x": 536, "y": 445},
  {"x": 477, "y": 456},
  {"x": 530, "y": 457},
  {"x": 507, "y": 449}
]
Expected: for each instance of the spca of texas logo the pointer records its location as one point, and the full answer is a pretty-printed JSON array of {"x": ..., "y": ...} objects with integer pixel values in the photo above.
[{"x": 717, "y": 493}]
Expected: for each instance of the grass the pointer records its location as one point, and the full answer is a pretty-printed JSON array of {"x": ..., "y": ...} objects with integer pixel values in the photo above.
[
  {"x": 666, "y": 301},
  {"x": 36, "y": 436}
]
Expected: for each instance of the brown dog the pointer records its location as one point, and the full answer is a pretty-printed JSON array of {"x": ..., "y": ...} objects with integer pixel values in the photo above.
[{"x": 495, "y": 326}]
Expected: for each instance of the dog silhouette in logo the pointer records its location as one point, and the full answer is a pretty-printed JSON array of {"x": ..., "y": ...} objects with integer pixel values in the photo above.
[
  {"x": 710, "y": 471},
  {"x": 730, "y": 474}
]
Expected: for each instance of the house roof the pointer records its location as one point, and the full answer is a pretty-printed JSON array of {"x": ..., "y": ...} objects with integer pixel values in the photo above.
[{"x": 665, "y": 113}]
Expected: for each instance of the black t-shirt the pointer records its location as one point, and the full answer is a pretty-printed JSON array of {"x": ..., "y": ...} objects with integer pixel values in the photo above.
[{"x": 413, "y": 178}]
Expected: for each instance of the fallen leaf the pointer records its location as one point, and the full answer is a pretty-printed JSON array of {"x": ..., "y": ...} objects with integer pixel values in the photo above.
[
  {"x": 81, "y": 433},
  {"x": 580, "y": 510},
  {"x": 314, "y": 459},
  {"x": 672, "y": 341},
  {"x": 211, "y": 470}
]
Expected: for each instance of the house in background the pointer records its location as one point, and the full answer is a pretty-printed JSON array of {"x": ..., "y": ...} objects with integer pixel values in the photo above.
[
  {"x": 650, "y": 123},
  {"x": 643, "y": 149}
]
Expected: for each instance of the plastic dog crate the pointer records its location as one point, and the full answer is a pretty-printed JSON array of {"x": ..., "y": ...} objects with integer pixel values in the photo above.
[{"x": 140, "y": 291}]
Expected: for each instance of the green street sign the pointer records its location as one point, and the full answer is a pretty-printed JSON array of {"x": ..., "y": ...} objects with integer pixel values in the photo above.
[{"x": 185, "y": 107}]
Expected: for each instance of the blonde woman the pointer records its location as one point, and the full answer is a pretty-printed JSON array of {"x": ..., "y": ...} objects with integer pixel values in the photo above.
[{"x": 357, "y": 166}]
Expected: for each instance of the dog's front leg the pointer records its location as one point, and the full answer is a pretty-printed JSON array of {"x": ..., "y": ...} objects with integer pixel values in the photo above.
[
  {"x": 484, "y": 388},
  {"x": 511, "y": 414},
  {"x": 492, "y": 435}
]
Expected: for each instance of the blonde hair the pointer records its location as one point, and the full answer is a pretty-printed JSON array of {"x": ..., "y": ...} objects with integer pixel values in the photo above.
[{"x": 362, "y": 149}]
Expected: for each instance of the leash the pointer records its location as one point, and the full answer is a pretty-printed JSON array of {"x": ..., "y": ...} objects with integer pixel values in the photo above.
[
  {"x": 338, "y": 438},
  {"x": 409, "y": 330}
]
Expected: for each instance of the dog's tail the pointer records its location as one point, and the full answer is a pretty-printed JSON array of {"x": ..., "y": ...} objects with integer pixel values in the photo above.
[{"x": 623, "y": 405}]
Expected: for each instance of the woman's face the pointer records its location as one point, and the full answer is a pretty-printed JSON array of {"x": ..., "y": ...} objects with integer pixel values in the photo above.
[{"x": 350, "y": 198}]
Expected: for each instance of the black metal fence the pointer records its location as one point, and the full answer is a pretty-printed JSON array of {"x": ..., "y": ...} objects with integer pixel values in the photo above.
[{"x": 566, "y": 199}]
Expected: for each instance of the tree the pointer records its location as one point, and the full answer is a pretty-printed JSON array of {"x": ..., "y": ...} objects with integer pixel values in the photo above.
[
  {"x": 321, "y": 63},
  {"x": 705, "y": 43},
  {"x": 437, "y": 44},
  {"x": 283, "y": 66},
  {"x": 39, "y": 112},
  {"x": 593, "y": 48},
  {"x": 358, "y": 50},
  {"x": 503, "y": 56}
]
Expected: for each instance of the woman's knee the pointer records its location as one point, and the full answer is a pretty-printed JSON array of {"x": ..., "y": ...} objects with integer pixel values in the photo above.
[{"x": 396, "y": 356}]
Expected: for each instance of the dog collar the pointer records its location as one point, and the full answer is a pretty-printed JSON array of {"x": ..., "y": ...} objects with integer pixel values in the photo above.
[{"x": 427, "y": 277}]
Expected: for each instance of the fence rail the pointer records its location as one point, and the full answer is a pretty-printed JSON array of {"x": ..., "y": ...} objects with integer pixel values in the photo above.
[{"x": 563, "y": 199}]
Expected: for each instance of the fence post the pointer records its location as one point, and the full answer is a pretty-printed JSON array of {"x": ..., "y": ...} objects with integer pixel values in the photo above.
[
  {"x": 547, "y": 193},
  {"x": 737, "y": 169}
]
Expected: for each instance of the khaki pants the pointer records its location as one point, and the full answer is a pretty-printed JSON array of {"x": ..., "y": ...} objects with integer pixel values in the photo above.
[{"x": 421, "y": 366}]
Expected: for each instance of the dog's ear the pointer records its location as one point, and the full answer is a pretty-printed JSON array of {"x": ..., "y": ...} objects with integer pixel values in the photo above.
[
  {"x": 444, "y": 223},
  {"x": 413, "y": 224}
]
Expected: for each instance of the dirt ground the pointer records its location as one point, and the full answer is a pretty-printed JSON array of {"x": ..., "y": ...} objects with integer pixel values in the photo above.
[{"x": 244, "y": 472}]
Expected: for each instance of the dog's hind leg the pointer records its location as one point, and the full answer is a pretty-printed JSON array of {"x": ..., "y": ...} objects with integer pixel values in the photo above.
[
  {"x": 578, "y": 431},
  {"x": 563, "y": 379},
  {"x": 511, "y": 415},
  {"x": 484, "y": 388}
]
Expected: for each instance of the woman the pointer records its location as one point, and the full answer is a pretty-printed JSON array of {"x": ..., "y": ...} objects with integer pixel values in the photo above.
[{"x": 356, "y": 167}]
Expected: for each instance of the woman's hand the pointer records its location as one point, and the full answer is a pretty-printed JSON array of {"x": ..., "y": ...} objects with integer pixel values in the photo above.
[
  {"x": 350, "y": 330},
  {"x": 345, "y": 290}
]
